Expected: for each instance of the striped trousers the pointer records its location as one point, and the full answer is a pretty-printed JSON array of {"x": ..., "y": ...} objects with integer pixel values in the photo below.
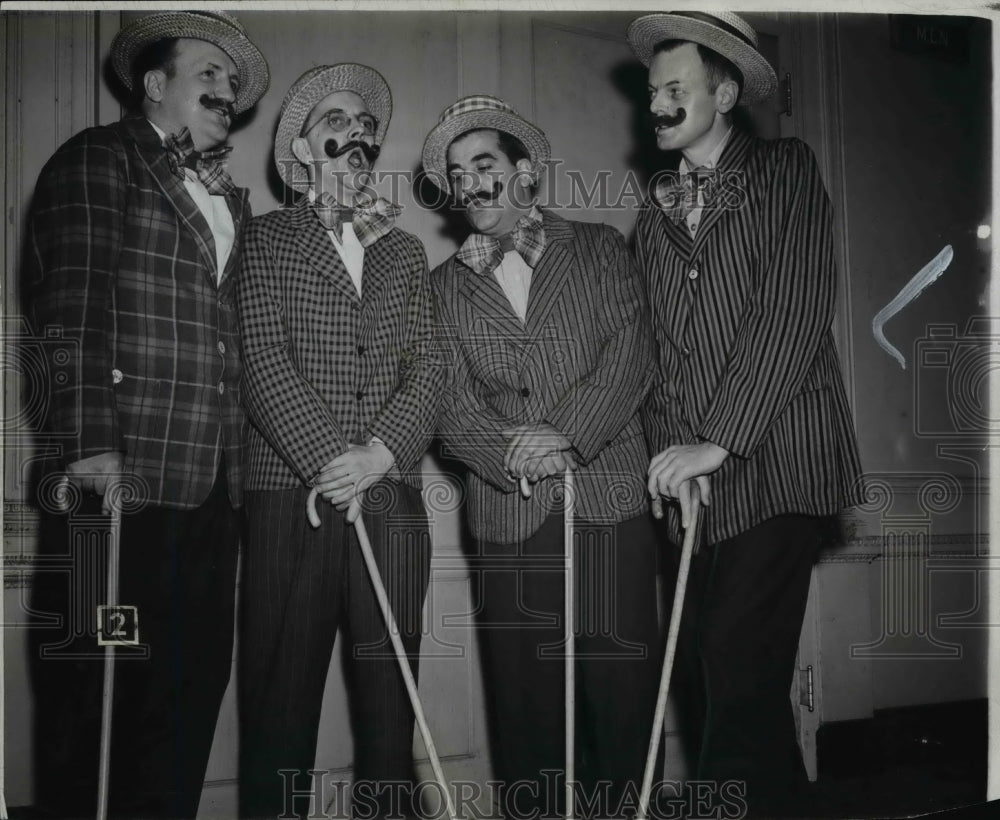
[{"x": 299, "y": 587}]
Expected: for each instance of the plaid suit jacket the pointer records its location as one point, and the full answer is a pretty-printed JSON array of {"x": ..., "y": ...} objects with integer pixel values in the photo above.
[
  {"x": 583, "y": 362},
  {"x": 742, "y": 314},
  {"x": 122, "y": 263},
  {"x": 325, "y": 368}
]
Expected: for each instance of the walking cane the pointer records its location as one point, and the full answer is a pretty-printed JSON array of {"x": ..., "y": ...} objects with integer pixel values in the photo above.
[
  {"x": 668, "y": 663},
  {"x": 108, "y": 694},
  {"x": 569, "y": 504},
  {"x": 397, "y": 645}
]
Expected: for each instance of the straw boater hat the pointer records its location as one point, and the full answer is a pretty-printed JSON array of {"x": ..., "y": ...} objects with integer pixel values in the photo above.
[
  {"x": 309, "y": 89},
  {"x": 723, "y": 32},
  {"x": 216, "y": 27},
  {"x": 469, "y": 114}
]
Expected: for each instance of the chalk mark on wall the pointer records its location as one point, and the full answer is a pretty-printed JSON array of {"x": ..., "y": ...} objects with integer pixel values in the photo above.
[{"x": 911, "y": 290}]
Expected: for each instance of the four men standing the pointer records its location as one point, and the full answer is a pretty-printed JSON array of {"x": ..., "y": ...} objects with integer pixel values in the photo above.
[{"x": 552, "y": 338}]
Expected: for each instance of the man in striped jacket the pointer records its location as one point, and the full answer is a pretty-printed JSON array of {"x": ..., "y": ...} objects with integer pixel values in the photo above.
[
  {"x": 547, "y": 330},
  {"x": 748, "y": 417}
]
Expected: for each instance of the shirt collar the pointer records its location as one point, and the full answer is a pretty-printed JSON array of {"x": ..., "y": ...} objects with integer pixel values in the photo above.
[
  {"x": 713, "y": 158},
  {"x": 159, "y": 131}
]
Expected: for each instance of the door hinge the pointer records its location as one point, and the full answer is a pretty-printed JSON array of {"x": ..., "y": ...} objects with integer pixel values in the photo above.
[
  {"x": 806, "y": 691},
  {"x": 786, "y": 95}
]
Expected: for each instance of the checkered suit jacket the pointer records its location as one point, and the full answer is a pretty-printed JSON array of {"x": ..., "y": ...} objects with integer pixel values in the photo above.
[
  {"x": 742, "y": 314},
  {"x": 325, "y": 368},
  {"x": 582, "y": 362},
  {"x": 121, "y": 261}
]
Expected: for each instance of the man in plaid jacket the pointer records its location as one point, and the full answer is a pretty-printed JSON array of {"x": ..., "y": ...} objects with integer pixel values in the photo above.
[
  {"x": 342, "y": 391},
  {"x": 133, "y": 251},
  {"x": 551, "y": 354}
]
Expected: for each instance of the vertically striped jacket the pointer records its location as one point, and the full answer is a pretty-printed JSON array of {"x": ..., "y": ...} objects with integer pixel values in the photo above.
[
  {"x": 121, "y": 263},
  {"x": 742, "y": 316},
  {"x": 582, "y": 362}
]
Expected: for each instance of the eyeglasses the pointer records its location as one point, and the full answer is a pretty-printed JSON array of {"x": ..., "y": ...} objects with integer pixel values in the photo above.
[{"x": 338, "y": 121}]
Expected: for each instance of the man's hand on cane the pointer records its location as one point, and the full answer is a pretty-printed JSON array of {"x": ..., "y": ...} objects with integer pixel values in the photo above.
[
  {"x": 345, "y": 478},
  {"x": 536, "y": 451},
  {"x": 682, "y": 472},
  {"x": 95, "y": 474}
]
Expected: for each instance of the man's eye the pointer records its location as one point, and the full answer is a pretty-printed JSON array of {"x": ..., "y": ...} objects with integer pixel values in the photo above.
[
  {"x": 234, "y": 84},
  {"x": 208, "y": 72}
]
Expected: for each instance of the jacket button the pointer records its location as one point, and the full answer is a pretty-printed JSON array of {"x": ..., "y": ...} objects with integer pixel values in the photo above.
[
  {"x": 686, "y": 351},
  {"x": 222, "y": 347},
  {"x": 693, "y": 273},
  {"x": 222, "y": 388},
  {"x": 359, "y": 395},
  {"x": 525, "y": 392}
]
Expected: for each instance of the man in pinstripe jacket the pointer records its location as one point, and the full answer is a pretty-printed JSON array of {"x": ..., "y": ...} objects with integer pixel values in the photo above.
[
  {"x": 132, "y": 253},
  {"x": 748, "y": 413},
  {"x": 341, "y": 389},
  {"x": 547, "y": 331}
]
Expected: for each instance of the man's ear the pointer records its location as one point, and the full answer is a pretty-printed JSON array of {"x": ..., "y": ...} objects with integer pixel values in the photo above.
[
  {"x": 152, "y": 83},
  {"x": 526, "y": 171},
  {"x": 301, "y": 150},
  {"x": 726, "y": 96}
]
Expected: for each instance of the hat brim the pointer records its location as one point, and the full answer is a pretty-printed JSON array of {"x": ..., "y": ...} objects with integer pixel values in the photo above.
[
  {"x": 435, "y": 153},
  {"x": 364, "y": 81},
  {"x": 759, "y": 79},
  {"x": 254, "y": 74}
]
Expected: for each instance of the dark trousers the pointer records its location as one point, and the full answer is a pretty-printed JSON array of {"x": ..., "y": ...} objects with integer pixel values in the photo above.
[
  {"x": 617, "y": 650},
  {"x": 299, "y": 587},
  {"x": 178, "y": 568},
  {"x": 743, "y": 612}
]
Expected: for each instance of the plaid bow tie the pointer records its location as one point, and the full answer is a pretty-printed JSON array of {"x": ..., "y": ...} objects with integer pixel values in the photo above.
[
  {"x": 371, "y": 222},
  {"x": 483, "y": 253},
  {"x": 678, "y": 195},
  {"x": 210, "y": 166}
]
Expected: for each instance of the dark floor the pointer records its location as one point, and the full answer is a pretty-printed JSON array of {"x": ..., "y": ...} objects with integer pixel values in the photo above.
[
  {"x": 901, "y": 763},
  {"x": 905, "y": 763}
]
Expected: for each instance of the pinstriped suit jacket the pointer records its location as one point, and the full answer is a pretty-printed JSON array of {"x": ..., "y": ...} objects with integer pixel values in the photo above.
[
  {"x": 121, "y": 260},
  {"x": 582, "y": 362},
  {"x": 323, "y": 367},
  {"x": 742, "y": 315}
]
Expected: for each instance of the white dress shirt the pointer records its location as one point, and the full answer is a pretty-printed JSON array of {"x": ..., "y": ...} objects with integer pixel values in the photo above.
[
  {"x": 694, "y": 216},
  {"x": 514, "y": 276},
  {"x": 349, "y": 247},
  {"x": 214, "y": 208}
]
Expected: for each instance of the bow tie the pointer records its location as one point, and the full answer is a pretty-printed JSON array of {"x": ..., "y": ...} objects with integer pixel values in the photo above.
[
  {"x": 678, "y": 195},
  {"x": 483, "y": 253},
  {"x": 210, "y": 166},
  {"x": 371, "y": 222}
]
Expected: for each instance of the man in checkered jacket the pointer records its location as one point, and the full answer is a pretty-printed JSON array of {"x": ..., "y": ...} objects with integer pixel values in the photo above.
[
  {"x": 132, "y": 255},
  {"x": 341, "y": 390}
]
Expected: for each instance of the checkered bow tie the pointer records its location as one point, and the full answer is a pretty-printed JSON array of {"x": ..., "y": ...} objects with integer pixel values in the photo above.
[
  {"x": 210, "y": 166},
  {"x": 677, "y": 194},
  {"x": 371, "y": 222},
  {"x": 483, "y": 253}
]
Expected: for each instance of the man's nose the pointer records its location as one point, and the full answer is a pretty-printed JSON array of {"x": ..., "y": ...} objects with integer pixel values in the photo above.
[
  {"x": 356, "y": 130},
  {"x": 224, "y": 90}
]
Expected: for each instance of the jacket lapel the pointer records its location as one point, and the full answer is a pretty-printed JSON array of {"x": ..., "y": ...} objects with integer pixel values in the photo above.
[
  {"x": 488, "y": 304},
  {"x": 152, "y": 154},
  {"x": 731, "y": 163},
  {"x": 550, "y": 275},
  {"x": 317, "y": 249},
  {"x": 237, "y": 203}
]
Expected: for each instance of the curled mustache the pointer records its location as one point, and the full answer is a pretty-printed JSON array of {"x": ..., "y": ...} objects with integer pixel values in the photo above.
[
  {"x": 481, "y": 197},
  {"x": 214, "y": 103},
  {"x": 665, "y": 120},
  {"x": 333, "y": 150}
]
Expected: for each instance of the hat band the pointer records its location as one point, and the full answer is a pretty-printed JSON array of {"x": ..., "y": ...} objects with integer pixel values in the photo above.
[{"x": 717, "y": 23}]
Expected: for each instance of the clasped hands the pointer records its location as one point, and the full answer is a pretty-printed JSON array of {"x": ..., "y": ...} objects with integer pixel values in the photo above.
[
  {"x": 536, "y": 451},
  {"x": 345, "y": 478},
  {"x": 682, "y": 472}
]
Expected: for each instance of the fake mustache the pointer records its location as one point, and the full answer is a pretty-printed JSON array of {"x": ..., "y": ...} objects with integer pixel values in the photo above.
[
  {"x": 215, "y": 104},
  {"x": 668, "y": 121},
  {"x": 333, "y": 150},
  {"x": 481, "y": 198}
]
